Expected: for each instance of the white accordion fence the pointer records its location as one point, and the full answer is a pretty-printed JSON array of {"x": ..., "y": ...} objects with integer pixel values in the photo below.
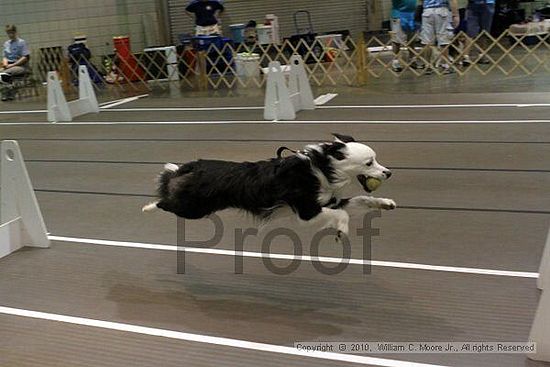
[
  {"x": 21, "y": 222},
  {"x": 282, "y": 100},
  {"x": 59, "y": 110}
]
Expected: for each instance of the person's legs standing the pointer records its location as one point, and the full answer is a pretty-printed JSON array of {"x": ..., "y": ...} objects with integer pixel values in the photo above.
[
  {"x": 462, "y": 39},
  {"x": 444, "y": 35},
  {"x": 403, "y": 30},
  {"x": 409, "y": 27},
  {"x": 472, "y": 29},
  {"x": 427, "y": 37},
  {"x": 486, "y": 14},
  {"x": 473, "y": 20},
  {"x": 398, "y": 39},
  {"x": 479, "y": 18}
]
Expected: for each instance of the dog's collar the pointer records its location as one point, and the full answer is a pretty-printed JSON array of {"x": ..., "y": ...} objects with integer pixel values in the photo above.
[{"x": 281, "y": 150}]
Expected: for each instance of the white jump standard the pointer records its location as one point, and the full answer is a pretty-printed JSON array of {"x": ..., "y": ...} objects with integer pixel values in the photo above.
[
  {"x": 544, "y": 269},
  {"x": 20, "y": 217},
  {"x": 282, "y": 101},
  {"x": 540, "y": 330},
  {"x": 59, "y": 110}
]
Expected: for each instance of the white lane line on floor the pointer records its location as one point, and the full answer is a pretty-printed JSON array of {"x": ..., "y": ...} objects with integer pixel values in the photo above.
[
  {"x": 422, "y": 122},
  {"x": 205, "y": 339},
  {"x": 104, "y": 105},
  {"x": 213, "y": 251},
  {"x": 329, "y": 97},
  {"x": 100, "y": 123},
  {"x": 325, "y": 98},
  {"x": 262, "y": 122},
  {"x": 534, "y": 105},
  {"x": 22, "y": 112},
  {"x": 118, "y": 103},
  {"x": 457, "y": 105},
  {"x": 187, "y": 109},
  {"x": 243, "y": 108},
  {"x": 123, "y": 101},
  {"x": 109, "y": 102}
]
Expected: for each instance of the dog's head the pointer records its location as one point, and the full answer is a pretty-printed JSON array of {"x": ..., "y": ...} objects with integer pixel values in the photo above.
[{"x": 355, "y": 160}]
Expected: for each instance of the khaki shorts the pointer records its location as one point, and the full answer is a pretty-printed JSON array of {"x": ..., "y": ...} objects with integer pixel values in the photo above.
[
  {"x": 208, "y": 30},
  {"x": 436, "y": 26}
]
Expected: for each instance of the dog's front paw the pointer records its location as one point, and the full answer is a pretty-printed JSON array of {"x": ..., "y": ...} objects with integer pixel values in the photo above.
[
  {"x": 387, "y": 204},
  {"x": 338, "y": 220},
  {"x": 342, "y": 225}
]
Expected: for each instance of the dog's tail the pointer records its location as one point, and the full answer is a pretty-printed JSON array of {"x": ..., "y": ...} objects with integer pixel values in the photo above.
[
  {"x": 170, "y": 171},
  {"x": 150, "y": 207},
  {"x": 171, "y": 167}
]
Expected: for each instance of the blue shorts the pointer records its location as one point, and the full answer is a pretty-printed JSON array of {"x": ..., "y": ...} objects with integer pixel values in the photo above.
[
  {"x": 403, "y": 27},
  {"x": 408, "y": 24}
]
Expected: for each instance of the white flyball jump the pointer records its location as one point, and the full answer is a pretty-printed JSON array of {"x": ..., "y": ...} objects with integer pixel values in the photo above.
[
  {"x": 59, "y": 110},
  {"x": 21, "y": 222},
  {"x": 540, "y": 331},
  {"x": 283, "y": 100},
  {"x": 544, "y": 270}
]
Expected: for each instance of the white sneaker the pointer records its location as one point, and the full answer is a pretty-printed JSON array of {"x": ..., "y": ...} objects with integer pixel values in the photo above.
[
  {"x": 446, "y": 68},
  {"x": 415, "y": 64},
  {"x": 466, "y": 60},
  {"x": 396, "y": 66},
  {"x": 5, "y": 78}
]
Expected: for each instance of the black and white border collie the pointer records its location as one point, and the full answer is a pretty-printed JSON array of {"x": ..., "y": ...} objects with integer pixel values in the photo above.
[{"x": 310, "y": 182}]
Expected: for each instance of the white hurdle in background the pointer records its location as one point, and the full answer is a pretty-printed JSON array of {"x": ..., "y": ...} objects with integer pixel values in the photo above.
[
  {"x": 544, "y": 269},
  {"x": 21, "y": 222},
  {"x": 283, "y": 100},
  {"x": 540, "y": 331},
  {"x": 61, "y": 110}
]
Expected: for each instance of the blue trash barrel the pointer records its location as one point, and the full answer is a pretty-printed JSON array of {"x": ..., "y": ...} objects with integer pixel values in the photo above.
[
  {"x": 221, "y": 58},
  {"x": 237, "y": 32}
]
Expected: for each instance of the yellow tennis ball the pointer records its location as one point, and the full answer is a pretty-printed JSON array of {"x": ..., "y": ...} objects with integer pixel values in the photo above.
[{"x": 373, "y": 183}]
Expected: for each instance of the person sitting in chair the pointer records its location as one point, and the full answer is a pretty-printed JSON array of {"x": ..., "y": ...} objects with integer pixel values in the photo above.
[{"x": 14, "y": 62}]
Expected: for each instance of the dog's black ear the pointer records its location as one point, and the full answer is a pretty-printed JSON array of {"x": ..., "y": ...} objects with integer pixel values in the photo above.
[
  {"x": 335, "y": 150},
  {"x": 343, "y": 138}
]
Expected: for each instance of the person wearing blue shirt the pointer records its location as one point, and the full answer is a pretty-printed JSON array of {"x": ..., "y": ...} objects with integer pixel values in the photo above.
[
  {"x": 403, "y": 29},
  {"x": 439, "y": 17},
  {"x": 14, "y": 61}
]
